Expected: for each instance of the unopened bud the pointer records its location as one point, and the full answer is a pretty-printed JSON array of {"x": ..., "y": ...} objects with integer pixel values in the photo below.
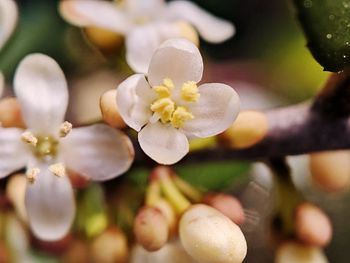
[
  {"x": 211, "y": 237},
  {"x": 313, "y": 226},
  {"x": 331, "y": 170},
  {"x": 151, "y": 228},
  {"x": 169, "y": 213},
  {"x": 226, "y": 204},
  {"x": 293, "y": 252},
  {"x": 15, "y": 192},
  {"x": 109, "y": 110},
  {"x": 249, "y": 128},
  {"x": 104, "y": 39},
  {"x": 111, "y": 246},
  {"x": 10, "y": 113}
]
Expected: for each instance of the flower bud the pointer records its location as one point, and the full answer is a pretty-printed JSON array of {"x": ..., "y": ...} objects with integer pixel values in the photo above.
[
  {"x": 151, "y": 228},
  {"x": 210, "y": 237},
  {"x": 169, "y": 213},
  {"x": 312, "y": 225},
  {"x": 109, "y": 110},
  {"x": 15, "y": 192},
  {"x": 293, "y": 252},
  {"x": 10, "y": 113},
  {"x": 226, "y": 204},
  {"x": 109, "y": 247},
  {"x": 104, "y": 39},
  {"x": 249, "y": 128},
  {"x": 331, "y": 170},
  {"x": 187, "y": 31}
]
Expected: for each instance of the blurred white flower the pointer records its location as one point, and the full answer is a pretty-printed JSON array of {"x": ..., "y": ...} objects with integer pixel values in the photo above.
[
  {"x": 2, "y": 83},
  {"x": 168, "y": 106},
  {"x": 8, "y": 19},
  {"x": 97, "y": 151},
  {"x": 146, "y": 23}
]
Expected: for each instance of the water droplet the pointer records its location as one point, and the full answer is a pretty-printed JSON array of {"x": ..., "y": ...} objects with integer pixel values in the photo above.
[
  {"x": 329, "y": 36},
  {"x": 345, "y": 56},
  {"x": 347, "y": 43},
  {"x": 308, "y": 3},
  {"x": 331, "y": 17},
  {"x": 346, "y": 4}
]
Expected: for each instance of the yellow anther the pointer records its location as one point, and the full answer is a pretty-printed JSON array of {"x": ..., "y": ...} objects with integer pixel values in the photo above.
[
  {"x": 168, "y": 83},
  {"x": 31, "y": 174},
  {"x": 58, "y": 169},
  {"x": 29, "y": 138},
  {"x": 65, "y": 128},
  {"x": 164, "y": 107},
  {"x": 180, "y": 115},
  {"x": 189, "y": 91},
  {"x": 162, "y": 91}
]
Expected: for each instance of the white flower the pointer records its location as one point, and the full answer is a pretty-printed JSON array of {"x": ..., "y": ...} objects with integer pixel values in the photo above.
[
  {"x": 2, "y": 83},
  {"x": 167, "y": 106},
  {"x": 8, "y": 19},
  {"x": 146, "y": 23},
  {"x": 97, "y": 151}
]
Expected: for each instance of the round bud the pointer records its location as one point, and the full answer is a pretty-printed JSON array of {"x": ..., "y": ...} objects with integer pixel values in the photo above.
[
  {"x": 249, "y": 128},
  {"x": 10, "y": 113},
  {"x": 151, "y": 228},
  {"x": 295, "y": 252},
  {"x": 103, "y": 38},
  {"x": 109, "y": 110},
  {"x": 331, "y": 170},
  {"x": 169, "y": 213},
  {"x": 109, "y": 247},
  {"x": 226, "y": 204},
  {"x": 210, "y": 237},
  {"x": 312, "y": 225}
]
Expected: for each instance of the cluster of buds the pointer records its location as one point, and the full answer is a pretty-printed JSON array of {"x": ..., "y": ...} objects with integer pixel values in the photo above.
[{"x": 205, "y": 224}]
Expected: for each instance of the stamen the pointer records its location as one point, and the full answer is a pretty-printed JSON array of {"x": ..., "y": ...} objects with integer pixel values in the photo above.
[
  {"x": 164, "y": 90},
  {"x": 65, "y": 128},
  {"x": 189, "y": 91},
  {"x": 180, "y": 115},
  {"x": 58, "y": 169},
  {"x": 164, "y": 107},
  {"x": 29, "y": 138},
  {"x": 168, "y": 83},
  {"x": 31, "y": 174}
]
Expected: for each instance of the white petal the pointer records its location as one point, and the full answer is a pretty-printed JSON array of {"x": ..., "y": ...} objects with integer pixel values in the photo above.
[
  {"x": 41, "y": 89},
  {"x": 97, "y": 151},
  {"x": 211, "y": 28},
  {"x": 2, "y": 83},
  {"x": 144, "y": 11},
  {"x": 101, "y": 14},
  {"x": 14, "y": 154},
  {"x": 50, "y": 204},
  {"x": 144, "y": 40},
  {"x": 215, "y": 111},
  {"x": 163, "y": 143},
  {"x": 8, "y": 19},
  {"x": 134, "y": 97},
  {"x": 177, "y": 59}
]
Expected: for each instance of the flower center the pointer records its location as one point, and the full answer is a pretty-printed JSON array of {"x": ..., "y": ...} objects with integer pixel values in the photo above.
[
  {"x": 46, "y": 146},
  {"x": 171, "y": 105}
]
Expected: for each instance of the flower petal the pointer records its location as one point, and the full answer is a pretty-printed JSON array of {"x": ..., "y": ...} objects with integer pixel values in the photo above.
[
  {"x": 14, "y": 154},
  {"x": 101, "y": 14},
  {"x": 50, "y": 204},
  {"x": 144, "y": 11},
  {"x": 163, "y": 143},
  {"x": 41, "y": 89},
  {"x": 142, "y": 41},
  {"x": 2, "y": 83},
  {"x": 177, "y": 59},
  {"x": 134, "y": 97},
  {"x": 97, "y": 151},
  {"x": 8, "y": 19},
  {"x": 216, "y": 109},
  {"x": 211, "y": 28}
]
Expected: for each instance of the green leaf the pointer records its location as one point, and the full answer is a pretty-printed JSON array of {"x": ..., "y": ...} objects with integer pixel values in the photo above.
[
  {"x": 326, "y": 24},
  {"x": 214, "y": 176}
]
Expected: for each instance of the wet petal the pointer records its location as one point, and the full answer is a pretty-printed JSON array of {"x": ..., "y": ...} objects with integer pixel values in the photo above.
[
  {"x": 8, "y": 19},
  {"x": 134, "y": 97},
  {"x": 211, "y": 28},
  {"x": 215, "y": 111},
  {"x": 14, "y": 154},
  {"x": 41, "y": 89},
  {"x": 144, "y": 40},
  {"x": 97, "y": 151},
  {"x": 177, "y": 59},
  {"x": 163, "y": 143},
  {"x": 101, "y": 14},
  {"x": 50, "y": 204}
]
